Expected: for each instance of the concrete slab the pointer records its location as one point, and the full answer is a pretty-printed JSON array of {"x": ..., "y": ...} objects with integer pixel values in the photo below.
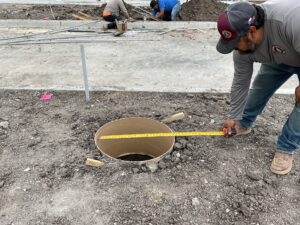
[{"x": 150, "y": 57}]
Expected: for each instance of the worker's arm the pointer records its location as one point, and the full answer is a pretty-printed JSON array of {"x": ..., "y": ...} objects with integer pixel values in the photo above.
[
  {"x": 153, "y": 12},
  {"x": 243, "y": 69},
  {"x": 123, "y": 9},
  {"x": 292, "y": 29},
  {"x": 160, "y": 14},
  {"x": 162, "y": 6}
]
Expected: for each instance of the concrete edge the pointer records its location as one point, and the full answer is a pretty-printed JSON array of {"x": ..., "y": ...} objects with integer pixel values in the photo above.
[
  {"x": 124, "y": 89},
  {"x": 61, "y": 24}
]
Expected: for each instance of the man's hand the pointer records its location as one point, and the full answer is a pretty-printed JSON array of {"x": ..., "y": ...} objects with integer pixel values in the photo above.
[
  {"x": 154, "y": 18},
  {"x": 229, "y": 127},
  {"x": 160, "y": 14},
  {"x": 297, "y": 94}
]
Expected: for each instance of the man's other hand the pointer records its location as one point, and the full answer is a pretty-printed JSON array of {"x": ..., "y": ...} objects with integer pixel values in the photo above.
[{"x": 297, "y": 94}]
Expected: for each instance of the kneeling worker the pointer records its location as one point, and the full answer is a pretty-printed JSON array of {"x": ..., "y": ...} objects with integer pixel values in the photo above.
[
  {"x": 165, "y": 9},
  {"x": 112, "y": 11}
]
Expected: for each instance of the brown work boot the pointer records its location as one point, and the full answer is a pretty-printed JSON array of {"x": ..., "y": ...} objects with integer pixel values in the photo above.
[
  {"x": 240, "y": 130},
  {"x": 282, "y": 163}
]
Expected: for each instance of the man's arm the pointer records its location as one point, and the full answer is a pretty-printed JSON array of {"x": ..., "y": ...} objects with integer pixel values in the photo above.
[
  {"x": 243, "y": 69},
  {"x": 153, "y": 12},
  {"x": 160, "y": 14},
  {"x": 293, "y": 28},
  {"x": 161, "y": 5},
  {"x": 123, "y": 9}
]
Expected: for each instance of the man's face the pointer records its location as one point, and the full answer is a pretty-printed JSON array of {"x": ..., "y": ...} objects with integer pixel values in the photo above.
[
  {"x": 245, "y": 45},
  {"x": 155, "y": 7}
]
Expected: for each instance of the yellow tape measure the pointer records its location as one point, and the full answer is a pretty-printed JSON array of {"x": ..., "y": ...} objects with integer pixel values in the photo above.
[{"x": 172, "y": 134}]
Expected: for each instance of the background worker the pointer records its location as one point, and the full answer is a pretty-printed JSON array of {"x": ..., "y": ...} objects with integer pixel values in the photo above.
[
  {"x": 112, "y": 11},
  {"x": 165, "y": 9},
  {"x": 266, "y": 33}
]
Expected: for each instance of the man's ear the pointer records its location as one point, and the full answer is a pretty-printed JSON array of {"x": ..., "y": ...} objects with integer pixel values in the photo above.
[
  {"x": 252, "y": 29},
  {"x": 251, "y": 33}
]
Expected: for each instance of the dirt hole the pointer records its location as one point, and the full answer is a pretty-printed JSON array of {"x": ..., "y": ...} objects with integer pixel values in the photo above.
[{"x": 135, "y": 157}]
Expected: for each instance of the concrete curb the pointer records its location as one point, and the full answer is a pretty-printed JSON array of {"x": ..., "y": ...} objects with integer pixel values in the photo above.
[{"x": 90, "y": 24}]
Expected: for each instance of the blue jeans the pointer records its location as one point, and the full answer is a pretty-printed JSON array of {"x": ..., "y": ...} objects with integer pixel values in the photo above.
[
  {"x": 175, "y": 11},
  {"x": 267, "y": 81}
]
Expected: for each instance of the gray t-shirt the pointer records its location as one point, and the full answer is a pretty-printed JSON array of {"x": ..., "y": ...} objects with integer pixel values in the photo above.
[
  {"x": 115, "y": 6},
  {"x": 281, "y": 45}
]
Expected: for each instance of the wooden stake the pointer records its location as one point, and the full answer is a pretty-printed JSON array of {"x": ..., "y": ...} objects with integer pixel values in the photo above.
[
  {"x": 177, "y": 116},
  {"x": 79, "y": 17},
  {"x": 94, "y": 163},
  {"x": 87, "y": 16}
]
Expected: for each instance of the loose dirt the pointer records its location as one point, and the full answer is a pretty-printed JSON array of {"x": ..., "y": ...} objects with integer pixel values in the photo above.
[
  {"x": 201, "y": 10},
  {"x": 204, "y": 180},
  {"x": 195, "y": 10}
]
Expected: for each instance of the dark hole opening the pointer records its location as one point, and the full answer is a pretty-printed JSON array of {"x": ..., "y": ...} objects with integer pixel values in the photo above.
[{"x": 135, "y": 157}]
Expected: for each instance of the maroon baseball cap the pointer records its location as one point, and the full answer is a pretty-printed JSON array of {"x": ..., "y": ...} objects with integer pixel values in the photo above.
[{"x": 233, "y": 24}]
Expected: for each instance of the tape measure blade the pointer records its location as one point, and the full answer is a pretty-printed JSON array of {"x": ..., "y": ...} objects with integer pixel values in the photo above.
[{"x": 174, "y": 134}]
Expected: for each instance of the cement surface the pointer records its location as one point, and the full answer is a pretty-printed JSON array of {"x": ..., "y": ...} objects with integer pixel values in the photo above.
[{"x": 151, "y": 56}]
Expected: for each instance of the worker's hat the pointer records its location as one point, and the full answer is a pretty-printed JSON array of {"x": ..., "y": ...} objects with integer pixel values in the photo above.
[{"x": 233, "y": 24}]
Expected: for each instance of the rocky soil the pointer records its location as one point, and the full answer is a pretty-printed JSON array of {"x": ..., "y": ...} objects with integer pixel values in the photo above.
[
  {"x": 201, "y": 10},
  {"x": 204, "y": 180},
  {"x": 194, "y": 10}
]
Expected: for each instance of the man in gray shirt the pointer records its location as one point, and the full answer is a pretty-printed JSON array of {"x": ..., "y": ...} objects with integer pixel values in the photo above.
[
  {"x": 112, "y": 11},
  {"x": 268, "y": 33}
]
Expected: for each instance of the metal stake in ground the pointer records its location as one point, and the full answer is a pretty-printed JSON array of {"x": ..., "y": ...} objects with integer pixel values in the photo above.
[{"x": 85, "y": 76}]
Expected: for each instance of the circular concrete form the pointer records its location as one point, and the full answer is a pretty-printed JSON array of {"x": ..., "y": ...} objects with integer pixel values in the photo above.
[{"x": 135, "y": 149}]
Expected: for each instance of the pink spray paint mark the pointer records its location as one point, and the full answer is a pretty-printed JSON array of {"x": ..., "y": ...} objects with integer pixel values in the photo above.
[{"x": 46, "y": 96}]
